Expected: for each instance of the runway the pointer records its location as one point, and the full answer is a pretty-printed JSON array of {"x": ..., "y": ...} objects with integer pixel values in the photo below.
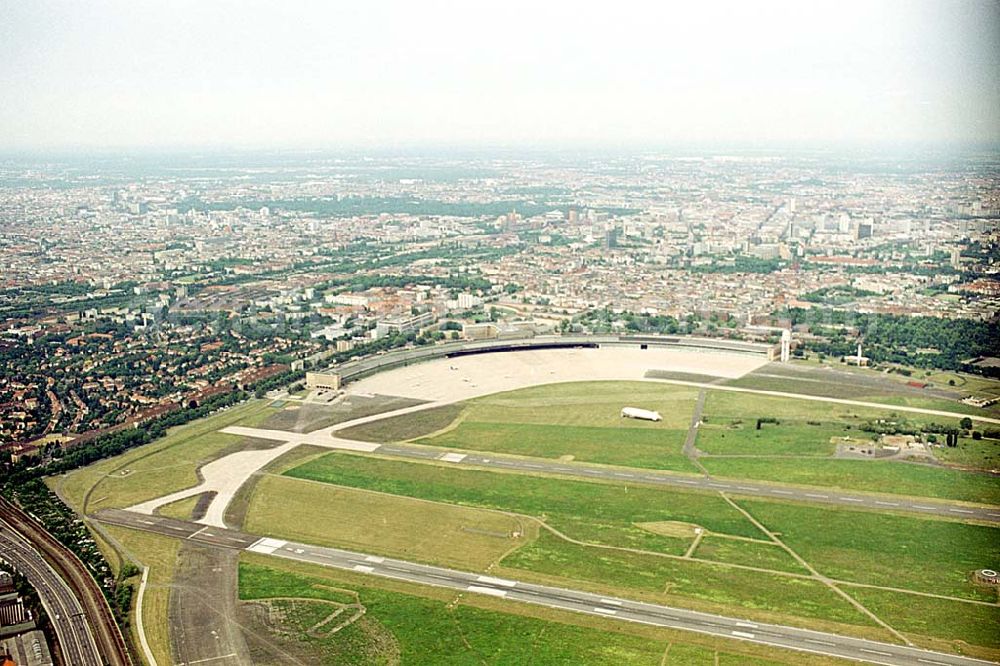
[
  {"x": 812, "y": 494},
  {"x": 62, "y": 606},
  {"x": 712, "y": 484},
  {"x": 802, "y": 640}
]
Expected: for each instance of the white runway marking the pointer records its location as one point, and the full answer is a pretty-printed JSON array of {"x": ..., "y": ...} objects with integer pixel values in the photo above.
[
  {"x": 266, "y": 546},
  {"x": 487, "y": 590},
  {"x": 489, "y": 580},
  {"x": 881, "y": 654},
  {"x": 453, "y": 457}
]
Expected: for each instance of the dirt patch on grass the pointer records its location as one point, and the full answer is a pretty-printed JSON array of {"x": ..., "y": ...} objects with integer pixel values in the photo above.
[
  {"x": 681, "y": 376},
  {"x": 292, "y": 630},
  {"x": 201, "y": 507},
  {"x": 306, "y": 417},
  {"x": 672, "y": 528}
]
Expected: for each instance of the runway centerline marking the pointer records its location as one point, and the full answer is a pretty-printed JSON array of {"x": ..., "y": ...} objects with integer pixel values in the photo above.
[{"x": 881, "y": 654}]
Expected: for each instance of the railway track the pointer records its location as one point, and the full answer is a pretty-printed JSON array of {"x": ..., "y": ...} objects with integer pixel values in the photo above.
[{"x": 107, "y": 637}]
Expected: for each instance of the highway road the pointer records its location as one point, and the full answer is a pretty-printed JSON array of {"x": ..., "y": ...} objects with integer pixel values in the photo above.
[
  {"x": 64, "y": 609},
  {"x": 802, "y": 640},
  {"x": 746, "y": 488}
]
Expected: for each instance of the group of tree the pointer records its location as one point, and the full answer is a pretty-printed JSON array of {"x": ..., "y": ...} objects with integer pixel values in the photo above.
[
  {"x": 927, "y": 342},
  {"x": 63, "y": 524}
]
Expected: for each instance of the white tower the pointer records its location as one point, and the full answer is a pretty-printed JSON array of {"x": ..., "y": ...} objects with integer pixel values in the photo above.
[{"x": 786, "y": 345}]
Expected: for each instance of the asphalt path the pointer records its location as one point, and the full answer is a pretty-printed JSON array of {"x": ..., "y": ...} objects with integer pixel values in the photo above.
[
  {"x": 63, "y": 608},
  {"x": 615, "y": 608},
  {"x": 713, "y": 484},
  {"x": 840, "y": 401}
]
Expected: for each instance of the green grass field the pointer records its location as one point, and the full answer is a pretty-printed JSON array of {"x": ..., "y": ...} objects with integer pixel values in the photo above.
[
  {"x": 414, "y": 629},
  {"x": 954, "y": 622},
  {"x": 181, "y": 509},
  {"x": 724, "y": 406},
  {"x": 580, "y": 420},
  {"x": 784, "y": 439},
  {"x": 162, "y": 467},
  {"x": 670, "y": 581},
  {"x": 596, "y": 404},
  {"x": 983, "y": 454},
  {"x": 883, "y": 476},
  {"x": 597, "y": 512},
  {"x": 658, "y": 448},
  {"x": 161, "y": 473},
  {"x": 322, "y": 514},
  {"x": 607, "y": 514},
  {"x": 406, "y": 426},
  {"x": 843, "y": 390},
  {"x": 930, "y": 402},
  {"x": 804, "y": 430},
  {"x": 749, "y": 553},
  {"x": 416, "y": 625},
  {"x": 159, "y": 553},
  {"x": 905, "y": 552},
  {"x": 923, "y": 555}
]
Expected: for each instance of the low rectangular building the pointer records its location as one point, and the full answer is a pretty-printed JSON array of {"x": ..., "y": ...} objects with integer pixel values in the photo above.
[{"x": 322, "y": 380}]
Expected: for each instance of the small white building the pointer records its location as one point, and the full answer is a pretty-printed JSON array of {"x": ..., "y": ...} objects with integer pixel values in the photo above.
[{"x": 641, "y": 414}]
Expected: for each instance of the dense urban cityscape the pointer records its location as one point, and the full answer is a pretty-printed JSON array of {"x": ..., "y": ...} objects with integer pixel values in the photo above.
[
  {"x": 126, "y": 297},
  {"x": 563, "y": 333}
]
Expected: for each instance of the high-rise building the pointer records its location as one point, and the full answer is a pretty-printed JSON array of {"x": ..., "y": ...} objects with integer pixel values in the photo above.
[{"x": 611, "y": 238}]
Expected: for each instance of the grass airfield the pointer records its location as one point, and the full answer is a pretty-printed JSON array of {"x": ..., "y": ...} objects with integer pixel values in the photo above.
[
  {"x": 574, "y": 421},
  {"x": 691, "y": 549}
]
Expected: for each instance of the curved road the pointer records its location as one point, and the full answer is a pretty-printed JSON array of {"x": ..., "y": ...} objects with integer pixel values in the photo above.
[
  {"x": 64, "y": 609},
  {"x": 803, "y": 640}
]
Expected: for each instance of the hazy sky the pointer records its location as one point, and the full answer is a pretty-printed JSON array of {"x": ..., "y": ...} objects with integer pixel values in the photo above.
[{"x": 137, "y": 73}]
